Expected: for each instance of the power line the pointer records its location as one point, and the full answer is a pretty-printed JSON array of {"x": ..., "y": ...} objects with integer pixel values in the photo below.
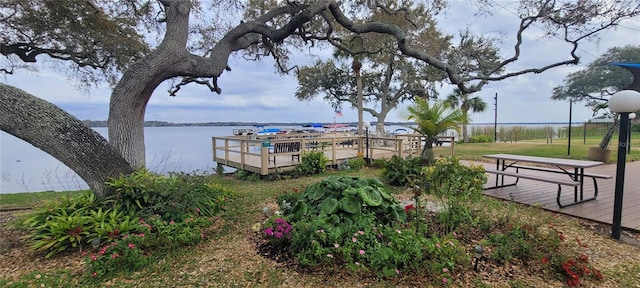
[{"x": 626, "y": 27}]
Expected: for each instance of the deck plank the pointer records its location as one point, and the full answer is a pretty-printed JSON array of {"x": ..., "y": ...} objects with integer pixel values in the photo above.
[{"x": 531, "y": 192}]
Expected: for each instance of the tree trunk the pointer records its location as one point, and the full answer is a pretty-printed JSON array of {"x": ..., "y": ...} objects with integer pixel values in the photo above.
[
  {"x": 604, "y": 144},
  {"x": 465, "y": 132},
  {"x": 132, "y": 93},
  {"x": 356, "y": 65},
  {"x": 62, "y": 136},
  {"x": 427, "y": 155}
]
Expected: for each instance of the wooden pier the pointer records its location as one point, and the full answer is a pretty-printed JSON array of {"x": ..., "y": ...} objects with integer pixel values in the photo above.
[{"x": 280, "y": 153}]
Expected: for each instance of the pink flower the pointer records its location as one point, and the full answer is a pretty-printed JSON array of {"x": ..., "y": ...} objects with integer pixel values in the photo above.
[
  {"x": 93, "y": 257},
  {"x": 361, "y": 232},
  {"x": 445, "y": 270},
  {"x": 330, "y": 255},
  {"x": 336, "y": 245},
  {"x": 172, "y": 222},
  {"x": 94, "y": 274},
  {"x": 438, "y": 245},
  {"x": 451, "y": 243},
  {"x": 444, "y": 280},
  {"x": 354, "y": 239},
  {"x": 141, "y": 234},
  {"x": 197, "y": 210},
  {"x": 361, "y": 252},
  {"x": 397, "y": 271},
  {"x": 115, "y": 255},
  {"x": 83, "y": 253},
  {"x": 202, "y": 235},
  {"x": 131, "y": 246}
]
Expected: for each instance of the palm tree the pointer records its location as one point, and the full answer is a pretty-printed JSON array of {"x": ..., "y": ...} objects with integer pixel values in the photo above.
[
  {"x": 475, "y": 104},
  {"x": 433, "y": 120}
]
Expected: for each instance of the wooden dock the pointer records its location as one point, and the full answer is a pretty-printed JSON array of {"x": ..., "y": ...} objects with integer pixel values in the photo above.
[{"x": 279, "y": 153}]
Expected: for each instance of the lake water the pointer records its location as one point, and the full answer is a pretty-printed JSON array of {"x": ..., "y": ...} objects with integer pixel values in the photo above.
[{"x": 25, "y": 168}]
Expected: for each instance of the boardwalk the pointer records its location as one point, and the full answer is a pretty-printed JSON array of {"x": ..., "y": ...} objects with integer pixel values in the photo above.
[{"x": 601, "y": 210}]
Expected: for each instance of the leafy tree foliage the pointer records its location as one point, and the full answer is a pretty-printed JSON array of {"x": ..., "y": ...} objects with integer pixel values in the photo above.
[
  {"x": 94, "y": 44},
  {"x": 599, "y": 80},
  {"x": 432, "y": 120},
  {"x": 475, "y": 104}
]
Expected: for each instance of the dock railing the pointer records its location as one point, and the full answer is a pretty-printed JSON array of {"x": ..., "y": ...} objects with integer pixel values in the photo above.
[{"x": 253, "y": 153}]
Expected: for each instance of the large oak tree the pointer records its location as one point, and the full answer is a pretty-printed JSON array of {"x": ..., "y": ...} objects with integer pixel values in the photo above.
[
  {"x": 121, "y": 36},
  {"x": 594, "y": 84}
]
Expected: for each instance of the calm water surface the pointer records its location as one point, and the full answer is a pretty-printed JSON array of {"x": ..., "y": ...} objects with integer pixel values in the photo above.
[{"x": 25, "y": 168}]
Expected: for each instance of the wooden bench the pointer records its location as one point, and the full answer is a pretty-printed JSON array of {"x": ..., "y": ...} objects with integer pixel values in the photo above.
[
  {"x": 592, "y": 175},
  {"x": 286, "y": 148},
  {"x": 559, "y": 182}
]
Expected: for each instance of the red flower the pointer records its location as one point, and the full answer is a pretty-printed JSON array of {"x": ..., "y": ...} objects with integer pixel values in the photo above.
[
  {"x": 409, "y": 208},
  {"x": 75, "y": 232},
  {"x": 545, "y": 260},
  {"x": 114, "y": 234}
]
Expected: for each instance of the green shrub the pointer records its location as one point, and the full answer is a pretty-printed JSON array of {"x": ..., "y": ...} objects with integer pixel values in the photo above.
[
  {"x": 356, "y": 163},
  {"x": 514, "y": 243},
  {"x": 174, "y": 234},
  {"x": 174, "y": 197},
  {"x": 123, "y": 255},
  {"x": 400, "y": 172},
  {"x": 456, "y": 185},
  {"x": 287, "y": 200},
  {"x": 73, "y": 222},
  {"x": 313, "y": 162},
  {"x": 378, "y": 163},
  {"x": 354, "y": 223},
  {"x": 246, "y": 175},
  {"x": 342, "y": 198},
  {"x": 480, "y": 139}
]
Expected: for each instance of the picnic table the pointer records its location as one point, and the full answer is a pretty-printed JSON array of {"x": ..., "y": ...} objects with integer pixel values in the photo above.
[{"x": 510, "y": 165}]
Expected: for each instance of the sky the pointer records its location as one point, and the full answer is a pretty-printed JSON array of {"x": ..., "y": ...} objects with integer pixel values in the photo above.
[{"x": 252, "y": 92}]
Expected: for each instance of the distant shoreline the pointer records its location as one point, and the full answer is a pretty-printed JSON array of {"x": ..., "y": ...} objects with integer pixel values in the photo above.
[{"x": 103, "y": 123}]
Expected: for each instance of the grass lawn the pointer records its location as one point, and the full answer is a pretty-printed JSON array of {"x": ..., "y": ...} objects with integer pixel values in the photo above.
[{"x": 559, "y": 148}]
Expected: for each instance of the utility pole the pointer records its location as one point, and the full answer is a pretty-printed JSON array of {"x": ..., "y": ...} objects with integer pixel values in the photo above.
[
  {"x": 495, "y": 118},
  {"x": 570, "y": 109}
]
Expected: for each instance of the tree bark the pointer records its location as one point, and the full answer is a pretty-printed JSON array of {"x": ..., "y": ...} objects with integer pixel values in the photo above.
[
  {"x": 132, "y": 93},
  {"x": 62, "y": 136}
]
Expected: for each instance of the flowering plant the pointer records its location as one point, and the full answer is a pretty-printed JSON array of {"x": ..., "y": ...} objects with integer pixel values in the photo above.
[
  {"x": 123, "y": 254},
  {"x": 278, "y": 232}
]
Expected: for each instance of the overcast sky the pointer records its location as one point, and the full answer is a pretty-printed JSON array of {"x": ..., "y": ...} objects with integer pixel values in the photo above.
[{"x": 252, "y": 92}]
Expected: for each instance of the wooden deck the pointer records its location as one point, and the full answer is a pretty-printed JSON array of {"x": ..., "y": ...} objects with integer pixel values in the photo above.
[
  {"x": 249, "y": 153},
  {"x": 601, "y": 210}
]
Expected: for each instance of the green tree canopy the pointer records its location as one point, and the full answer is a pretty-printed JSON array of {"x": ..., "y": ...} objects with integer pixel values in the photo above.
[{"x": 599, "y": 80}]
